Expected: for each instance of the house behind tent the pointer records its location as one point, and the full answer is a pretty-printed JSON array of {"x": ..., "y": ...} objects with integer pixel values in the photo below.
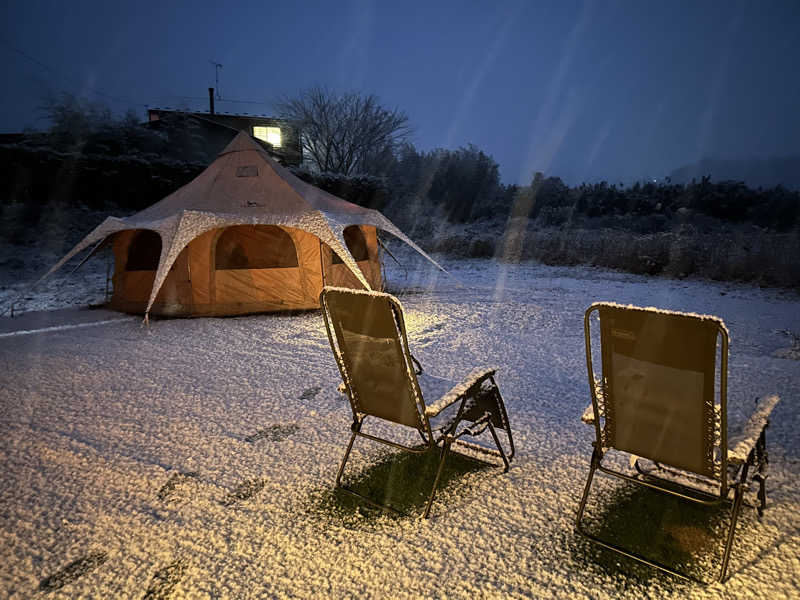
[{"x": 213, "y": 131}]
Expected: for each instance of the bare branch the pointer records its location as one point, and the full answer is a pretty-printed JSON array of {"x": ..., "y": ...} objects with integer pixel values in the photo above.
[{"x": 345, "y": 133}]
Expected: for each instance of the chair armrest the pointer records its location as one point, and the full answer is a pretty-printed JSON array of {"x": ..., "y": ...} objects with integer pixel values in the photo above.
[
  {"x": 475, "y": 377},
  {"x": 741, "y": 445}
]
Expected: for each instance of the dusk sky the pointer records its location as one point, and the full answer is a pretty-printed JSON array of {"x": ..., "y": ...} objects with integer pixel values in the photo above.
[{"x": 583, "y": 90}]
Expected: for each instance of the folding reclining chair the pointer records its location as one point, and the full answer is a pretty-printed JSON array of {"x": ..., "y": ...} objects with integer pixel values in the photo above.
[
  {"x": 367, "y": 334},
  {"x": 655, "y": 399}
]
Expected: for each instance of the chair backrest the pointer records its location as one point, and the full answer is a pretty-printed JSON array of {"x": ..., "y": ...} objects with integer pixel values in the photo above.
[
  {"x": 658, "y": 386},
  {"x": 367, "y": 335}
]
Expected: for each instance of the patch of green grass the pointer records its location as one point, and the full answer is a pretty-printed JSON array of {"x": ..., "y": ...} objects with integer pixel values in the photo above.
[
  {"x": 683, "y": 535},
  {"x": 401, "y": 479}
]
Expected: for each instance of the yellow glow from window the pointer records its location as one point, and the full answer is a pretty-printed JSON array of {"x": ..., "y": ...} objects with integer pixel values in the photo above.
[{"x": 270, "y": 135}]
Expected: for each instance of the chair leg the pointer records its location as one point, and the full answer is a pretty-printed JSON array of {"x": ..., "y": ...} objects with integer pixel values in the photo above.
[
  {"x": 596, "y": 457},
  {"x": 445, "y": 449},
  {"x": 356, "y": 427},
  {"x": 499, "y": 447},
  {"x": 510, "y": 444},
  {"x": 762, "y": 460},
  {"x": 501, "y": 407},
  {"x": 582, "y": 505},
  {"x": 737, "y": 504}
]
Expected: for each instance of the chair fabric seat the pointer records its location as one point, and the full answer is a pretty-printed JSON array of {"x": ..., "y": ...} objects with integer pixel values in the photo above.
[
  {"x": 431, "y": 386},
  {"x": 740, "y": 442},
  {"x": 446, "y": 392}
]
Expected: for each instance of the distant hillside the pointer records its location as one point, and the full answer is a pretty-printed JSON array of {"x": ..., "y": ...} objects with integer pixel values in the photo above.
[{"x": 765, "y": 173}]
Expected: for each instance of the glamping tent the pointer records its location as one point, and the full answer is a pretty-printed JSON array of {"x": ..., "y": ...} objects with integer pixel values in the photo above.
[{"x": 244, "y": 236}]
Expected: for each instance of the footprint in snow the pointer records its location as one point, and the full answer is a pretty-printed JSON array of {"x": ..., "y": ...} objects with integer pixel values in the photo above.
[
  {"x": 244, "y": 491},
  {"x": 310, "y": 393},
  {"x": 432, "y": 328},
  {"x": 164, "y": 581},
  {"x": 72, "y": 571},
  {"x": 273, "y": 433},
  {"x": 175, "y": 481}
]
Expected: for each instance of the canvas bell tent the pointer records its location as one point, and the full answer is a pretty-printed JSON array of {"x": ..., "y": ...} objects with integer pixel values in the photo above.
[{"x": 244, "y": 236}]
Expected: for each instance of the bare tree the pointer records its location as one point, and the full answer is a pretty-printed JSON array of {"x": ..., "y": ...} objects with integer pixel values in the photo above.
[
  {"x": 345, "y": 133},
  {"x": 74, "y": 119}
]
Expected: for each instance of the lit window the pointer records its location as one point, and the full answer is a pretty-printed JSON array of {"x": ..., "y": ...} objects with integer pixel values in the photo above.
[{"x": 271, "y": 135}]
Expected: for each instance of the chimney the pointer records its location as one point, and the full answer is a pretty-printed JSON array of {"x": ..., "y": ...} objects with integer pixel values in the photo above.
[{"x": 211, "y": 100}]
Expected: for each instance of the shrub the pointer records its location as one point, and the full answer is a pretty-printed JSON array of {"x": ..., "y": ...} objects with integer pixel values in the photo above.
[
  {"x": 364, "y": 190},
  {"x": 483, "y": 247},
  {"x": 754, "y": 255}
]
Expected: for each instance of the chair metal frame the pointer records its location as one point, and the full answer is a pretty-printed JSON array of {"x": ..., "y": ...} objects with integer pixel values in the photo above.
[
  {"x": 449, "y": 436},
  {"x": 757, "y": 457}
]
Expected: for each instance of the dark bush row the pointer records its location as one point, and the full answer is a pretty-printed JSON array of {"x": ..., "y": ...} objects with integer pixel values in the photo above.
[
  {"x": 365, "y": 190},
  {"x": 462, "y": 186},
  {"x": 37, "y": 178},
  {"x": 753, "y": 255},
  {"x": 653, "y": 207}
]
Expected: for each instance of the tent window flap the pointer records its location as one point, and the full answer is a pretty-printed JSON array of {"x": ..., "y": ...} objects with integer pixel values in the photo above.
[
  {"x": 356, "y": 244},
  {"x": 254, "y": 247},
  {"x": 144, "y": 251}
]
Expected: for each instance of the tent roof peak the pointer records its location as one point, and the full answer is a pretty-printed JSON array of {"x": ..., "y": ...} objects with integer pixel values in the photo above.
[{"x": 241, "y": 142}]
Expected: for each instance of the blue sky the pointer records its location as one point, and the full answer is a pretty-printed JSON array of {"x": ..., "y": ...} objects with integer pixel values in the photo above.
[{"x": 615, "y": 90}]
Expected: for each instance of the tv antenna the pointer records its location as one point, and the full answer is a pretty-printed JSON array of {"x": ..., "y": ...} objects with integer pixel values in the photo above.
[{"x": 217, "y": 67}]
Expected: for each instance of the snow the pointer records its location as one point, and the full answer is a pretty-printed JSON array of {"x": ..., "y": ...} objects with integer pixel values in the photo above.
[
  {"x": 62, "y": 327},
  {"x": 661, "y": 311},
  {"x": 743, "y": 442},
  {"x": 182, "y": 459},
  {"x": 458, "y": 390}
]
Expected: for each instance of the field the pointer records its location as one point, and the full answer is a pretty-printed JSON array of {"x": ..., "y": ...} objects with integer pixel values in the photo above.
[{"x": 196, "y": 458}]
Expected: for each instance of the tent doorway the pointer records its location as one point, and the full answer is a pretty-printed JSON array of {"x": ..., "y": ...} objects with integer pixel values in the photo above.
[
  {"x": 136, "y": 256},
  {"x": 362, "y": 243},
  {"x": 144, "y": 251},
  {"x": 254, "y": 265}
]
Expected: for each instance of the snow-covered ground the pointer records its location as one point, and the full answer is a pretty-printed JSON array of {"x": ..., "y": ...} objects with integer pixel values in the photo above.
[{"x": 187, "y": 459}]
